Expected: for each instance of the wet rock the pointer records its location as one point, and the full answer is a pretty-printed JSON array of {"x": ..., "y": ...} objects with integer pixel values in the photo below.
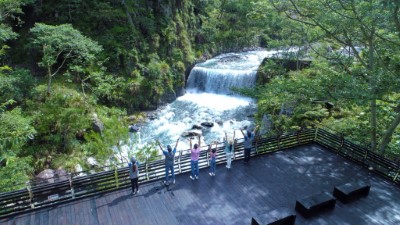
[
  {"x": 151, "y": 116},
  {"x": 207, "y": 124},
  {"x": 97, "y": 124},
  {"x": 196, "y": 127},
  {"x": 132, "y": 118},
  {"x": 80, "y": 135},
  {"x": 192, "y": 133},
  {"x": 133, "y": 128},
  {"x": 91, "y": 161}
]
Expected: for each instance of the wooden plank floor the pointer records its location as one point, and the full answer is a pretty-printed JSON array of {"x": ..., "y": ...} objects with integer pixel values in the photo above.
[{"x": 270, "y": 182}]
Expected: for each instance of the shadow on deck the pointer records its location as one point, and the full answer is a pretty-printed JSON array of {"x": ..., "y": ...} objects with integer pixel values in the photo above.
[{"x": 269, "y": 182}]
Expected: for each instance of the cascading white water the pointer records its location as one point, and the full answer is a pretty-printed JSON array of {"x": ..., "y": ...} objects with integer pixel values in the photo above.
[
  {"x": 209, "y": 99},
  {"x": 219, "y": 81},
  {"x": 220, "y": 74}
]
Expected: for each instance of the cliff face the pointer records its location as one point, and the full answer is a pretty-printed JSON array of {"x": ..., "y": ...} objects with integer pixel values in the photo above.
[{"x": 147, "y": 44}]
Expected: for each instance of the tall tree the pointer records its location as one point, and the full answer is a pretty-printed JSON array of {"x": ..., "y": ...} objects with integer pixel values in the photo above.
[
  {"x": 366, "y": 31},
  {"x": 62, "y": 46}
]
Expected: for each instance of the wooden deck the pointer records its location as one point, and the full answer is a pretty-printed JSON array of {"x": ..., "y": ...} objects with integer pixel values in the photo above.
[{"x": 269, "y": 182}]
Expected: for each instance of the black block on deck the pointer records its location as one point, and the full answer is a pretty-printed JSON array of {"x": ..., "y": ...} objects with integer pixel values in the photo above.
[
  {"x": 315, "y": 204},
  {"x": 351, "y": 191},
  {"x": 276, "y": 217}
]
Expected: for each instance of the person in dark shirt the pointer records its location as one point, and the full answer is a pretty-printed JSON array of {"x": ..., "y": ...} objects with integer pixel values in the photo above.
[
  {"x": 248, "y": 143},
  {"x": 134, "y": 175}
]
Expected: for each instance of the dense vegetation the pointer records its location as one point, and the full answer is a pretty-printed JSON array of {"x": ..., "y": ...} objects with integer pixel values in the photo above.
[{"x": 73, "y": 70}]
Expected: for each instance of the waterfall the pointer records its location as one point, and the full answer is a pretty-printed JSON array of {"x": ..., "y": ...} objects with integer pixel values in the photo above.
[
  {"x": 219, "y": 81},
  {"x": 218, "y": 75},
  {"x": 209, "y": 99}
]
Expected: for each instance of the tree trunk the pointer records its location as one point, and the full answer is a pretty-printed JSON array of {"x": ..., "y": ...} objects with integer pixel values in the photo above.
[
  {"x": 49, "y": 80},
  {"x": 371, "y": 68},
  {"x": 373, "y": 124},
  {"x": 128, "y": 15},
  {"x": 388, "y": 134}
]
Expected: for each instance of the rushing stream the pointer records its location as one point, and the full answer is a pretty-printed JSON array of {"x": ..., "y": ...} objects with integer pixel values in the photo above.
[{"x": 208, "y": 98}]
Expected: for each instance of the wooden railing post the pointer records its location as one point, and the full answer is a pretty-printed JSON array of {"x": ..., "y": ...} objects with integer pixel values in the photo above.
[
  {"x": 116, "y": 176},
  {"x": 147, "y": 168},
  {"x": 341, "y": 140},
  {"x": 179, "y": 162},
  {"x": 208, "y": 161},
  {"x": 233, "y": 149},
  {"x": 29, "y": 188},
  {"x": 397, "y": 175},
  {"x": 341, "y": 143},
  {"x": 279, "y": 142},
  {"x": 298, "y": 136},
  {"x": 70, "y": 185},
  {"x": 256, "y": 147},
  {"x": 366, "y": 154},
  {"x": 316, "y": 135}
]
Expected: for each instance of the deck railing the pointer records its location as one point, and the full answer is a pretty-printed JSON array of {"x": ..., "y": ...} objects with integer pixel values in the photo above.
[{"x": 77, "y": 187}]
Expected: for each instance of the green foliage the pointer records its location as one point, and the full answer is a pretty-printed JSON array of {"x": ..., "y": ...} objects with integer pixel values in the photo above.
[
  {"x": 58, "y": 119},
  {"x": 63, "y": 43},
  {"x": 15, "y": 173},
  {"x": 115, "y": 143},
  {"x": 15, "y": 85},
  {"x": 107, "y": 87},
  {"x": 15, "y": 131},
  {"x": 268, "y": 70},
  {"x": 10, "y": 9},
  {"x": 367, "y": 30}
]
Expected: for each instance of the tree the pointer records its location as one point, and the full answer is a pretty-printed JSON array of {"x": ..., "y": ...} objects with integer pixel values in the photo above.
[
  {"x": 61, "y": 46},
  {"x": 59, "y": 119},
  {"x": 366, "y": 31}
]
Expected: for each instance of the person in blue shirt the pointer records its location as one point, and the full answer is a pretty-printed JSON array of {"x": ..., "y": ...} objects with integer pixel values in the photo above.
[
  {"x": 248, "y": 143},
  {"x": 169, "y": 161}
]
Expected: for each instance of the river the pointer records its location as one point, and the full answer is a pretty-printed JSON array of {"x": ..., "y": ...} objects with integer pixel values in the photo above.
[{"x": 209, "y": 98}]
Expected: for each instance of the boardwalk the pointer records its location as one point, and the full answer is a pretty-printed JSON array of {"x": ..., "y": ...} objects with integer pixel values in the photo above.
[{"x": 270, "y": 182}]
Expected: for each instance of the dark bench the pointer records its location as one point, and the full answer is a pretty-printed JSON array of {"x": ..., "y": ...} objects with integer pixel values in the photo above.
[
  {"x": 315, "y": 204},
  {"x": 351, "y": 191},
  {"x": 275, "y": 217}
]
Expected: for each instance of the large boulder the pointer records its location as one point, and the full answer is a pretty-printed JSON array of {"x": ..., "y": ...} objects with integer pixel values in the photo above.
[
  {"x": 46, "y": 176},
  {"x": 97, "y": 125},
  {"x": 151, "y": 116},
  {"x": 207, "y": 124},
  {"x": 60, "y": 175},
  {"x": 220, "y": 122},
  {"x": 133, "y": 128},
  {"x": 196, "y": 127},
  {"x": 192, "y": 133}
]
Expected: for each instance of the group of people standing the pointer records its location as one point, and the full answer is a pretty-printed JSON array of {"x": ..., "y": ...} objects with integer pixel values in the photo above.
[{"x": 195, "y": 151}]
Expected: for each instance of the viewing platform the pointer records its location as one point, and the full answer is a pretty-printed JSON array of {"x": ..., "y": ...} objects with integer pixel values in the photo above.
[
  {"x": 268, "y": 183},
  {"x": 284, "y": 170}
]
